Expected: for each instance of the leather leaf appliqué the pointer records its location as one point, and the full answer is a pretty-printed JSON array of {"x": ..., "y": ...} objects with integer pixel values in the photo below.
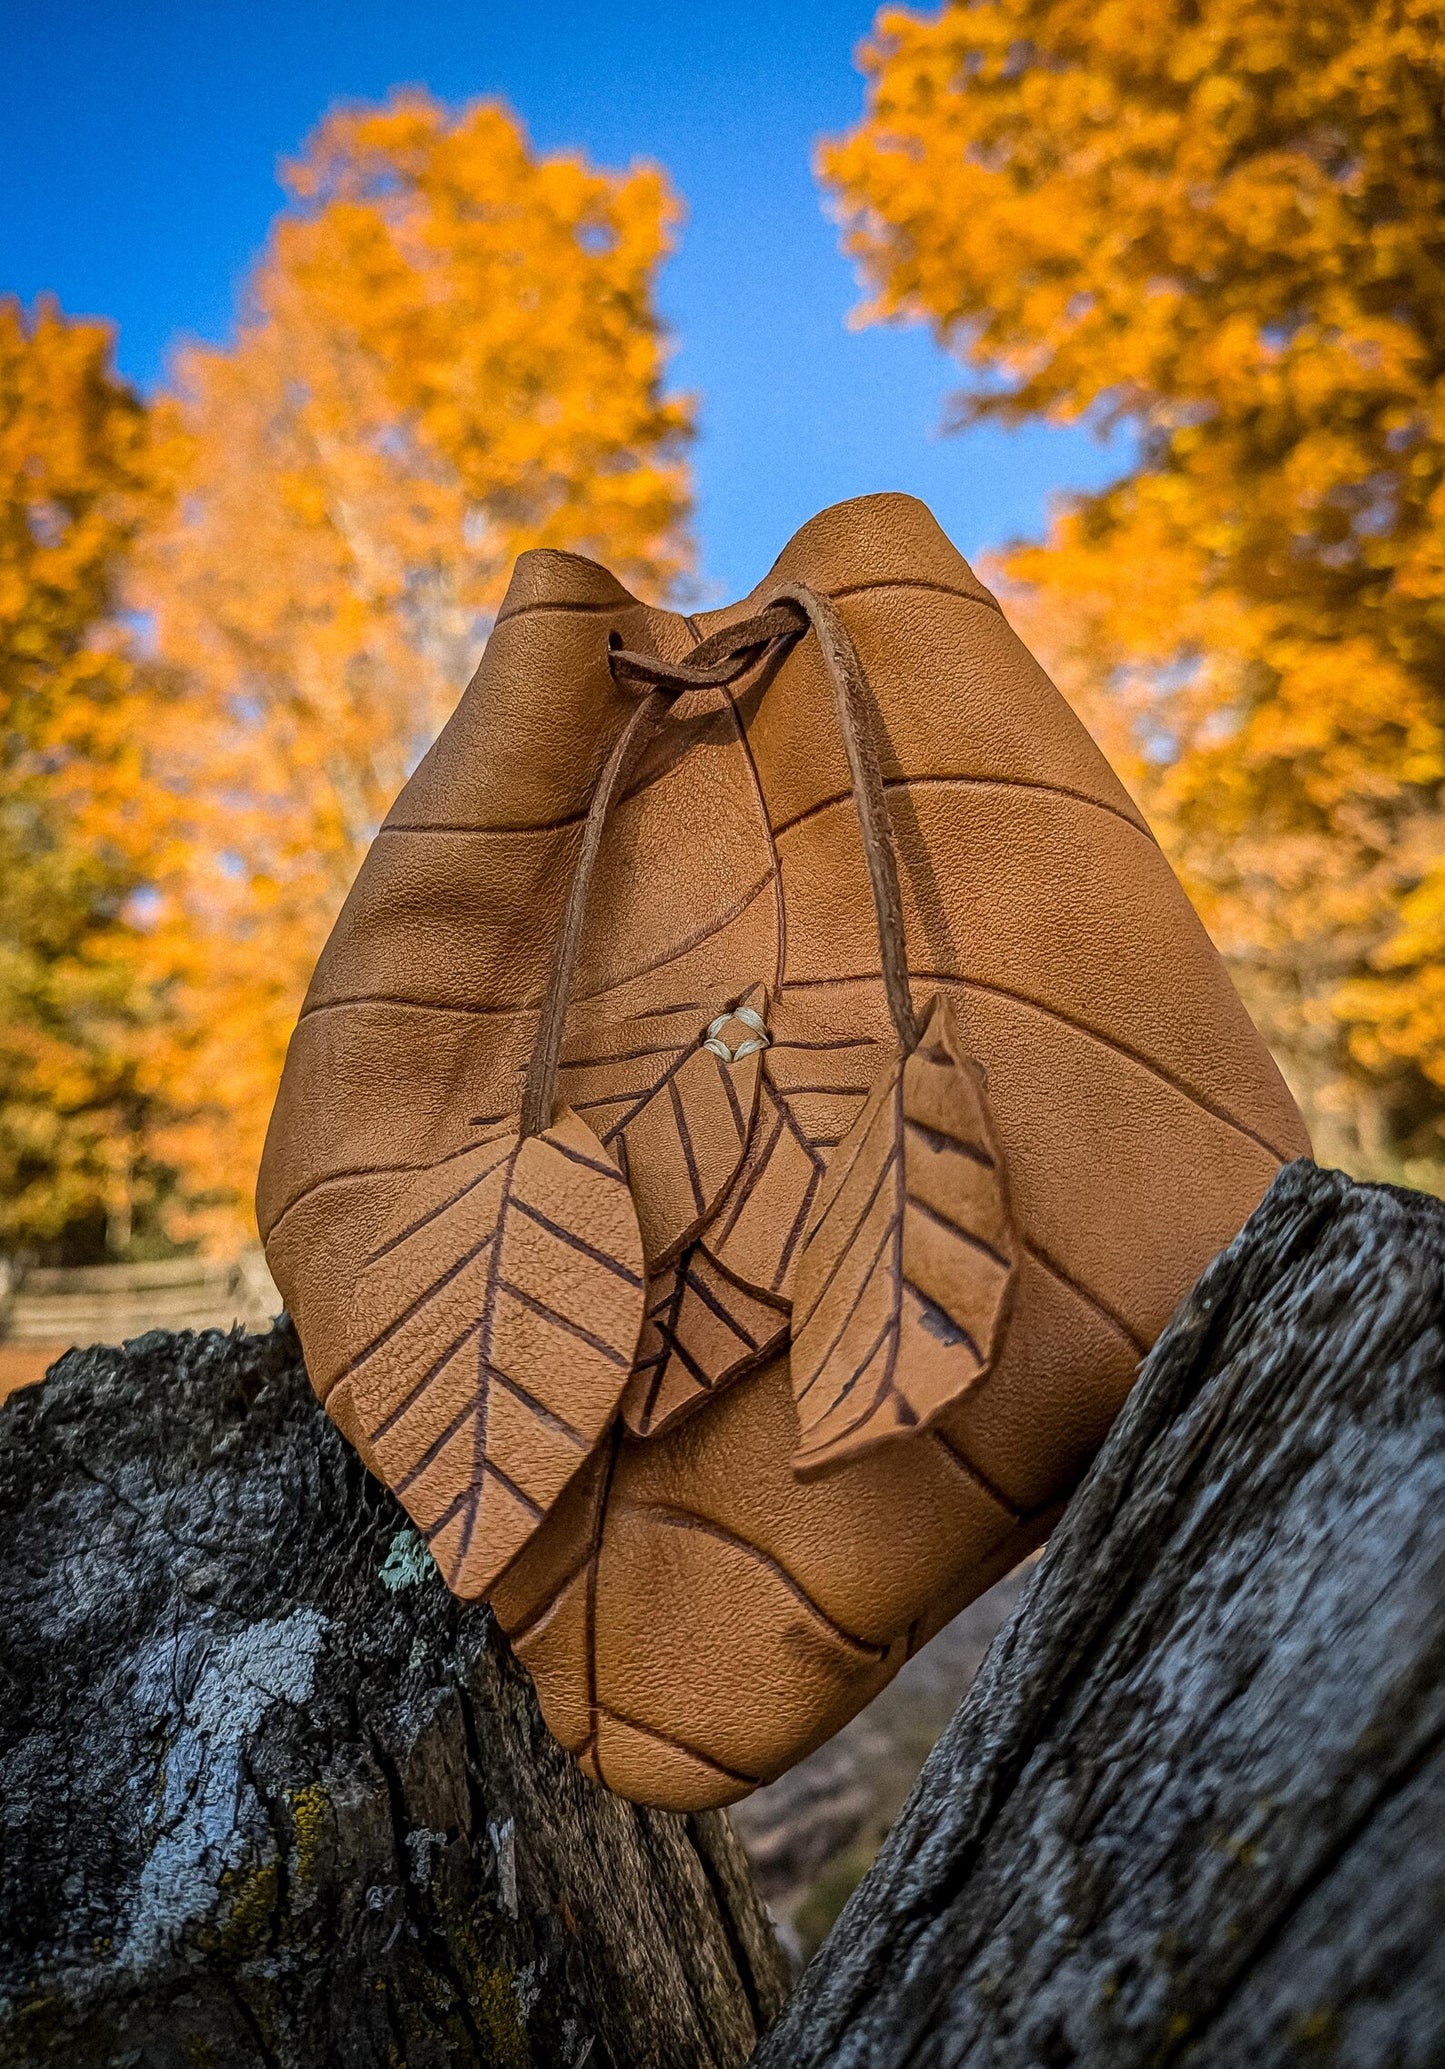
[
  {"x": 681, "y": 1146},
  {"x": 758, "y": 1229},
  {"x": 499, "y": 1320},
  {"x": 702, "y": 1332},
  {"x": 903, "y": 1283}
]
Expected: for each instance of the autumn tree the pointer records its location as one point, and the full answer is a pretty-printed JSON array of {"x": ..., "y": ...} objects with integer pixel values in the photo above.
[
  {"x": 449, "y": 353},
  {"x": 78, "y": 479},
  {"x": 1221, "y": 226}
]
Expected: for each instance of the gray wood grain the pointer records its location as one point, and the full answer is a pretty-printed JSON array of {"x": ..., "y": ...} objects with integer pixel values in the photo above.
[
  {"x": 1193, "y": 1810},
  {"x": 268, "y": 1795}
]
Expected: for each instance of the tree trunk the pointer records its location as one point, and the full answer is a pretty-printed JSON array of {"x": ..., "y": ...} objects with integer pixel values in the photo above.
[
  {"x": 1193, "y": 1811},
  {"x": 270, "y": 1796}
]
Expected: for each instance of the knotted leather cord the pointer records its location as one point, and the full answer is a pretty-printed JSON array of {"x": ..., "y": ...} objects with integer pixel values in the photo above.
[{"x": 715, "y": 664}]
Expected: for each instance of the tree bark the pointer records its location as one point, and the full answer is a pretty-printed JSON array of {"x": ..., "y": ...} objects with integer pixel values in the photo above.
[
  {"x": 271, "y": 1796},
  {"x": 1193, "y": 1811}
]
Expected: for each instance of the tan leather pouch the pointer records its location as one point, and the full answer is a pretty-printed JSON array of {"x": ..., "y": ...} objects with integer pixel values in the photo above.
[{"x": 763, "y": 1093}]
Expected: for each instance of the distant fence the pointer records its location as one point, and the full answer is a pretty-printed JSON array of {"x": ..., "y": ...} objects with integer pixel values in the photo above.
[{"x": 44, "y": 1311}]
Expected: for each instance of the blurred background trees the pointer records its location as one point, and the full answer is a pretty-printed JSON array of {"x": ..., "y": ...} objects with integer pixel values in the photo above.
[
  {"x": 232, "y": 617},
  {"x": 79, "y": 478},
  {"x": 1221, "y": 225},
  {"x": 449, "y": 354}
]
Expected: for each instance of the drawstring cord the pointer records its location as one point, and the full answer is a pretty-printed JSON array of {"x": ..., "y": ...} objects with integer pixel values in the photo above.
[{"x": 787, "y": 614}]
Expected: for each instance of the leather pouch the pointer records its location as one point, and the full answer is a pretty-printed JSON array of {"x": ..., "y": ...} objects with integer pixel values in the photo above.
[{"x": 763, "y": 1093}]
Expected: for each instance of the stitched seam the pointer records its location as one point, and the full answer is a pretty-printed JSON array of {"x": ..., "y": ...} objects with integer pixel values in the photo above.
[
  {"x": 1101, "y": 1307},
  {"x": 370, "y": 1171},
  {"x": 688, "y": 1519},
  {"x": 984, "y": 603},
  {"x": 1081, "y": 1027},
  {"x": 960, "y": 782},
  {"x": 663, "y": 1738},
  {"x": 673, "y": 954},
  {"x": 954, "y": 1451},
  {"x": 578, "y": 610}
]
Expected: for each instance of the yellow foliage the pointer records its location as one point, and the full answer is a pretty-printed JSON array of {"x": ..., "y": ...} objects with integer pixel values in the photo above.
[
  {"x": 1220, "y": 226},
  {"x": 449, "y": 355},
  {"x": 79, "y": 475}
]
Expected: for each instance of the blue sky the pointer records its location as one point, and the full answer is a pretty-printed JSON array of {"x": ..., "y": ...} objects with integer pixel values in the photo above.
[{"x": 137, "y": 169}]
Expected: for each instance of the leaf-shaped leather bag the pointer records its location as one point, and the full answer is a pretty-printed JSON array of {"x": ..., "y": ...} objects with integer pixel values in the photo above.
[{"x": 725, "y": 1316}]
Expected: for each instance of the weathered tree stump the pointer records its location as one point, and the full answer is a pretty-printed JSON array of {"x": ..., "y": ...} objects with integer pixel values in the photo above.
[
  {"x": 1193, "y": 1810},
  {"x": 270, "y": 1796}
]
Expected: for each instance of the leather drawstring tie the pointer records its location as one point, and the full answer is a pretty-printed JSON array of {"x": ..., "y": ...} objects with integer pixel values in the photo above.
[{"x": 716, "y": 664}]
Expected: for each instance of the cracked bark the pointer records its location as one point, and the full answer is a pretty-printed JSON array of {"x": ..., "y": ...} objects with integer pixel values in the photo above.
[
  {"x": 260, "y": 1804},
  {"x": 1192, "y": 1812}
]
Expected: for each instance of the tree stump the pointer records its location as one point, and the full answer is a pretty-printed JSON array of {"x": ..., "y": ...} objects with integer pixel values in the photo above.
[
  {"x": 1192, "y": 1812},
  {"x": 271, "y": 1796}
]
